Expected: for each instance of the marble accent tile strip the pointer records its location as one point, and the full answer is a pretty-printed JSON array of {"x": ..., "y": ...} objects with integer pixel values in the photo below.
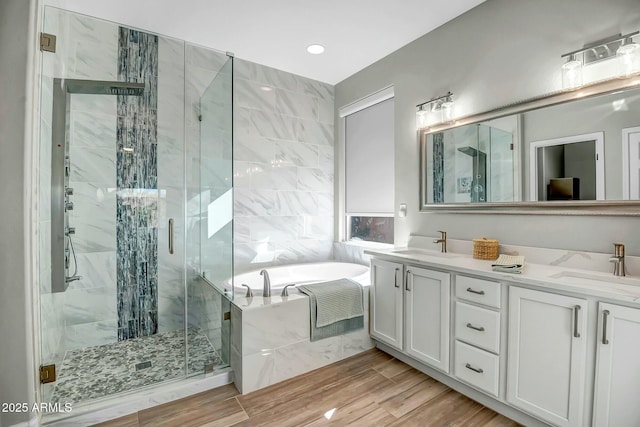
[{"x": 137, "y": 182}]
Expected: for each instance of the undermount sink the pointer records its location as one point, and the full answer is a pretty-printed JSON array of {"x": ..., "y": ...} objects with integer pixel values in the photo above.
[
  {"x": 579, "y": 278},
  {"x": 424, "y": 252}
]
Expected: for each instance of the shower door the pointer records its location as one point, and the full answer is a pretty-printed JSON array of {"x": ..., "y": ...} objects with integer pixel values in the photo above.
[{"x": 111, "y": 209}]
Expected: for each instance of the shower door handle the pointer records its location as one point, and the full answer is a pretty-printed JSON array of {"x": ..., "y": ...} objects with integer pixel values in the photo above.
[{"x": 171, "y": 236}]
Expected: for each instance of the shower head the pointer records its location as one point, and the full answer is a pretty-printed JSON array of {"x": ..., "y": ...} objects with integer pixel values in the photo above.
[
  {"x": 97, "y": 87},
  {"x": 469, "y": 151}
]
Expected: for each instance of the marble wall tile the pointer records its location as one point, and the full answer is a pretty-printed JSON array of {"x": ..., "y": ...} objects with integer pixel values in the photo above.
[
  {"x": 326, "y": 158},
  {"x": 296, "y": 104},
  {"x": 93, "y": 165},
  {"x": 292, "y": 203},
  {"x": 94, "y": 201},
  {"x": 296, "y": 154},
  {"x": 313, "y": 179},
  {"x": 345, "y": 252},
  {"x": 267, "y": 75},
  {"x": 304, "y": 356},
  {"x": 270, "y": 177},
  {"x": 89, "y": 305},
  {"x": 318, "y": 227},
  {"x": 253, "y": 202},
  {"x": 304, "y": 250},
  {"x": 206, "y": 59},
  {"x": 91, "y": 334},
  {"x": 275, "y": 319},
  {"x": 258, "y": 370},
  {"x": 325, "y": 203},
  {"x": 254, "y": 95},
  {"x": 92, "y": 236},
  {"x": 313, "y": 132},
  {"x": 254, "y": 149},
  {"x": 269, "y": 126},
  {"x": 90, "y": 129},
  {"x": 326, "y": 111},
  {"x": 95, "y": 104},
  {"x": 275, "y": 228},
  {"x": 320, "y": 90},
  {"x": 98, "y": 270}
]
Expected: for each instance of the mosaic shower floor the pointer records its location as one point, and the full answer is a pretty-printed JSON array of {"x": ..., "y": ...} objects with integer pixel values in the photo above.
[{"x": 95, "y": 372}]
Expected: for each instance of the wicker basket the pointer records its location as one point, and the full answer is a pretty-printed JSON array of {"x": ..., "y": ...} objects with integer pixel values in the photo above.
[{"x": 485, "y": 248}]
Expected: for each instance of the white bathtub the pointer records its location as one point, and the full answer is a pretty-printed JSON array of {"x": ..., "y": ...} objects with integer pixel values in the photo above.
[{"x": 299, "y": 274}]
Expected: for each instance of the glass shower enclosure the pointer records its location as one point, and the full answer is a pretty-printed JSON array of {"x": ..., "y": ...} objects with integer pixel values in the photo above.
[{"x": 135, "y": 202}]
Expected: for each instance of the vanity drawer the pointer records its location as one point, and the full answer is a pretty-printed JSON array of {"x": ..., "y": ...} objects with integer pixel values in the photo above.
[
  {"x": 477, "y": 290},
  {"x": 477, "y": 367},
  {"x": 478, "y": 326}
]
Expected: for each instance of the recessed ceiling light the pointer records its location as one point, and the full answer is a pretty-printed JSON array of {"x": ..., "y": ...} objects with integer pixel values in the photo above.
[
  {"x": 266, "y": 88},
  {"x": 315, "y": 49}
]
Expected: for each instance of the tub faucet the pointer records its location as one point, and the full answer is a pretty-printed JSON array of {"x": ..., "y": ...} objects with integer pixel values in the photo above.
[
  {"x": 72, "y": 279},
  {"x": 442, "y": 240},
  {"x": 618, "y": 260},
  {"x": 266, "y": 290}
]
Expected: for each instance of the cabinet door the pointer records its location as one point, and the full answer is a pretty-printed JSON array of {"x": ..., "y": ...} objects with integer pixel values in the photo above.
[
  {"x": 617, "y": 389},
  {"x": 386, "y": 302},
  {"x": 546, "y": 359},
  {"x": 427, "y": 296}
]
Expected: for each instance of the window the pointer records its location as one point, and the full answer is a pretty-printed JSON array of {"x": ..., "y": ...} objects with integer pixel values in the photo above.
[{"x": 369, "y": 169}]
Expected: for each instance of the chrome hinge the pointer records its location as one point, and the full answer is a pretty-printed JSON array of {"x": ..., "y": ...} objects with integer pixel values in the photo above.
[
  {"x": 47, "y": 373},
  {"x": 47, "y": 42}
]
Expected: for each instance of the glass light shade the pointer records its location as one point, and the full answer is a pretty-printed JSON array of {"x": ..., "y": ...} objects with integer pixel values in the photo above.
[
  {"x": 571, "y": 73},
  {"x": 421, "y": 118},
  {"x": 629, "y": 58},
  {"x": 447, "y": 111}
]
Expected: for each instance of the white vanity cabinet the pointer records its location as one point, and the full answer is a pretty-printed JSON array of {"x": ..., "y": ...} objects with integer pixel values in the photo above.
[
  {"x": 386, "y": 302},
  {"x": 546, "y": 355},
  {"x": 427, "y": 296},
  {"x": 617, "y": 386}
]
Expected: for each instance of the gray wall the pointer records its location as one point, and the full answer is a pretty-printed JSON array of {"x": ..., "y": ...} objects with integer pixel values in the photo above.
[
  {"x": 499, "y": 52},
  {"x": 17, "y": 36}
]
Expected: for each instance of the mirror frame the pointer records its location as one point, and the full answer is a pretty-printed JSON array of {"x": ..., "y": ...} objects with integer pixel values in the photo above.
[{"x": 586, "y": 207}]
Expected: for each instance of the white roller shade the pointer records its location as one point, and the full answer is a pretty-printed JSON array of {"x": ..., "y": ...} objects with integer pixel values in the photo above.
[{"x": 369, "y": 159}]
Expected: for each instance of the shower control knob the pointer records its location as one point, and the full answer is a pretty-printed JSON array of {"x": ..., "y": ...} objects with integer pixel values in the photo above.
[
  {"x": 68, "y": 206},
  {"x": 71, "y": 230},
  {"x": 68, "y": 191}
]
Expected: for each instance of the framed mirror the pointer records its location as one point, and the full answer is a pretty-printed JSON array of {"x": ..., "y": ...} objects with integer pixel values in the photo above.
[{"x": 575, "y": 151}]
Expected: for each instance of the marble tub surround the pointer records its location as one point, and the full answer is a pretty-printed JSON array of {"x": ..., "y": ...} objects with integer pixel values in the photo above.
[
  {"x": 270, "y": 340},
  {"x": 283, "y": 167},
  {"x": 585, "y": 273}
]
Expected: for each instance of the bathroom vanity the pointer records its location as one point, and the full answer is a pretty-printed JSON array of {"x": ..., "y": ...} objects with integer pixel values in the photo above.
[{"x": 557, "y": 344}]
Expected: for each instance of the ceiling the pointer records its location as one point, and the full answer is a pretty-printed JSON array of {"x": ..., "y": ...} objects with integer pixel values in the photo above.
[{"x": 355, "y": 33}]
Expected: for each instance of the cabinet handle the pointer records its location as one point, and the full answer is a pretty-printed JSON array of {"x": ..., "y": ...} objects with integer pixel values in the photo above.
[
  {"x": 477, "y": 328},
  {"x": 605, "y": 314},
  {"x": 406, "y": 281},
  {"x": 395, "y": 278},
  {"x": 171, "y": 235},
  {"x": 473, "y": 291},
  {"x": 576, "y": 310},
  {"x": 478, "y": 370}
]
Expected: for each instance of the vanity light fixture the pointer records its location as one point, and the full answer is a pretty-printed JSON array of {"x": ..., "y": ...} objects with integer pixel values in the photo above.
[
  {"x": 619, "y": 47},
  {"x": 437, "y": 110}
]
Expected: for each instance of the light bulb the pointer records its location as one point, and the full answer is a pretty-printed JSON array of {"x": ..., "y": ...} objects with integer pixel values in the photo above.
[
  {"x": 447, "y": 110},
  {"x": 629, "y": 57},
  {"x": 571, "y": 73},
  {"x": 421, "y": 118}
]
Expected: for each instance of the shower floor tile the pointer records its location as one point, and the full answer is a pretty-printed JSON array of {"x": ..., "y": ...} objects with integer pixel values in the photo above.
[{"x": 95, "y": 372}]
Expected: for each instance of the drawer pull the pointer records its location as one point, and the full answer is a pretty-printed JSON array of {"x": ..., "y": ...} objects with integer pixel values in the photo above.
[
  {"x": 478, "y": 370},
  {"x": 395, "y": 278},
  {"x": 476, "y": 328},
  {"x": 473, "y": 291},
  {"x": 576, "y": 332},
  {"x": 406, "y": 281}
]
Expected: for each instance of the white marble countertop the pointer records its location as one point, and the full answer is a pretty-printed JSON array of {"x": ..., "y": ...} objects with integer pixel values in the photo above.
[{"x": 562, "y": 278}]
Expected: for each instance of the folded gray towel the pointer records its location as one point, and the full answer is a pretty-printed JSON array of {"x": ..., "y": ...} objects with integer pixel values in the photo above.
[{"x": 336, "y": 300}]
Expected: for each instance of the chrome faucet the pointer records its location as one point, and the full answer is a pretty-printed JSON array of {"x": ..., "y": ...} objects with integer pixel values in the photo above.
[
  {"x": 618, "y": 260},
  {"x": 266, "y": 290},
  {"x": 442, "y": 240},
  {"x": 72, "y": 279}
]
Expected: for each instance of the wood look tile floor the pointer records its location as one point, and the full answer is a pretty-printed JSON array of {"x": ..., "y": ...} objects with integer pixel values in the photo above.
[{"x": 369, "y": 389}]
